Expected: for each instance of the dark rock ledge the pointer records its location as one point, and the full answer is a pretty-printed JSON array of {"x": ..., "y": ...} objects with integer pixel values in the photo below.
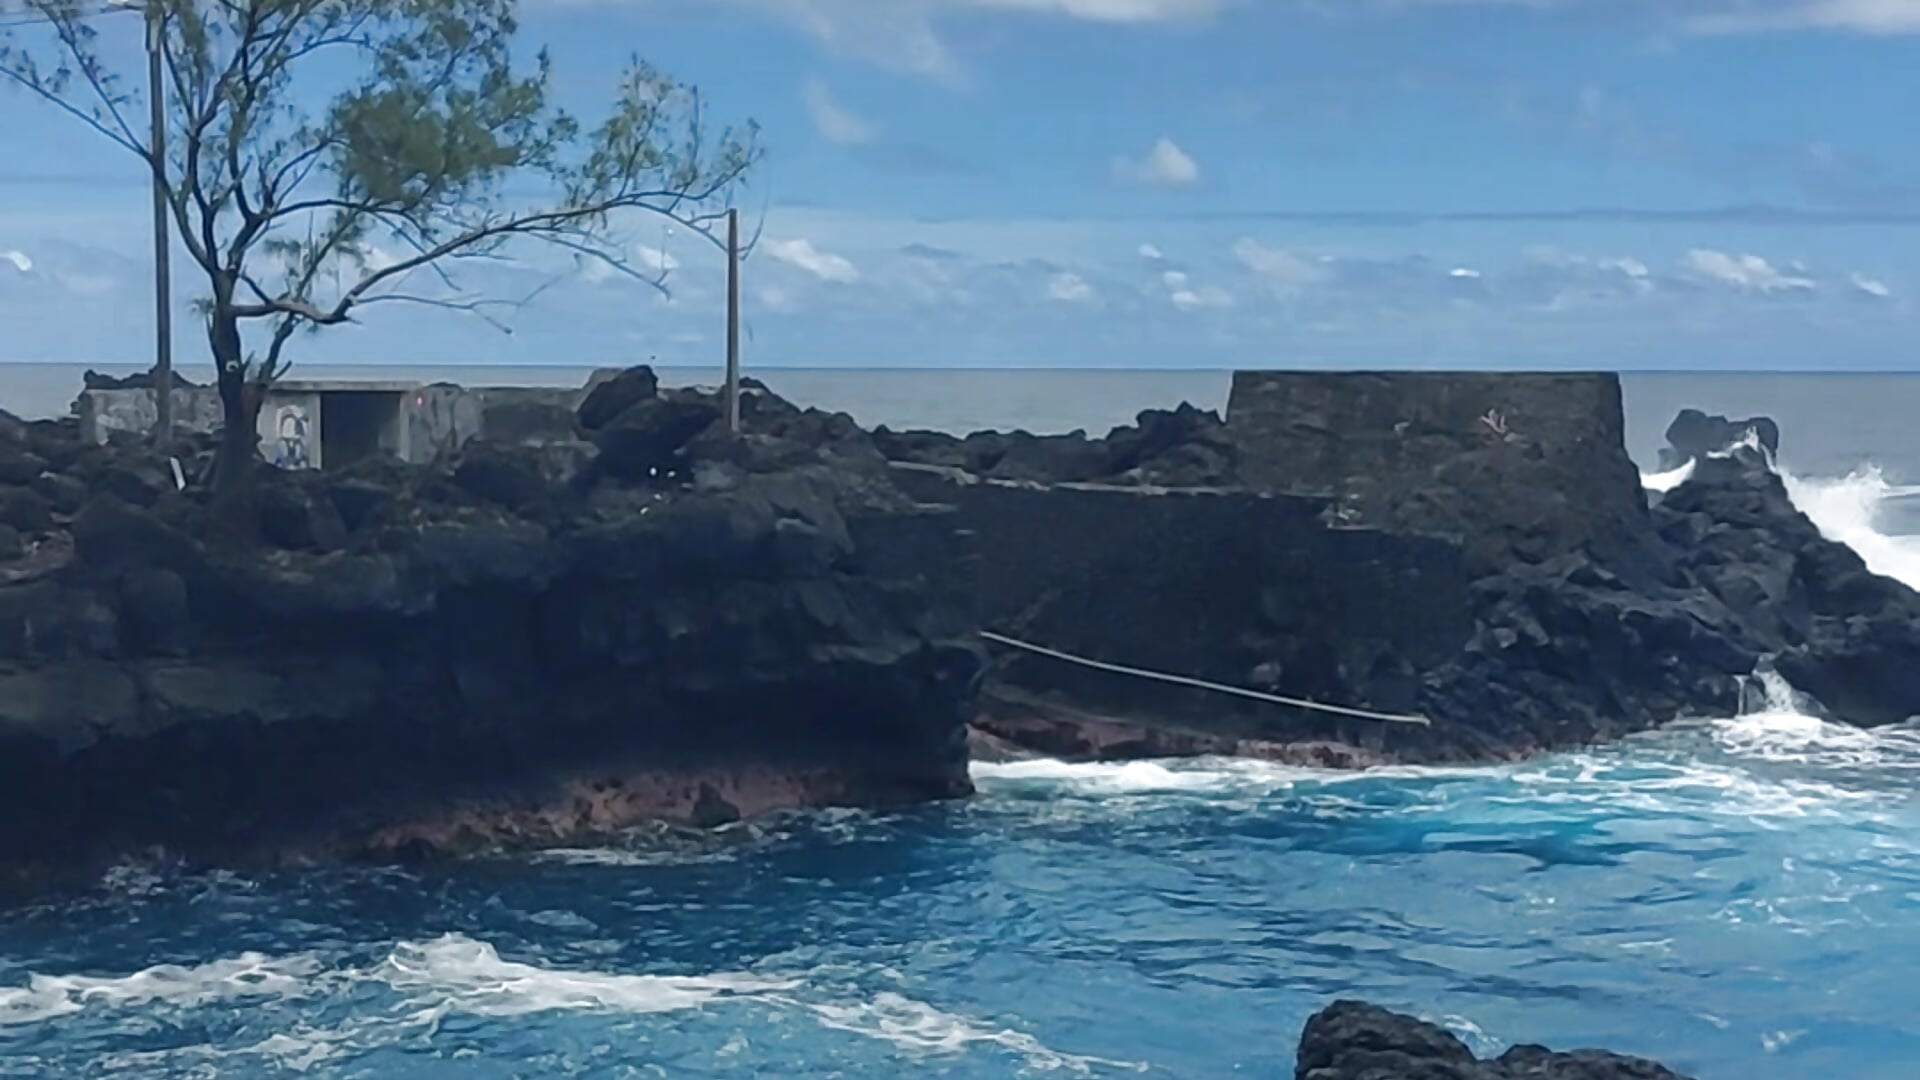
[
  {"x": 519, "y": 646},
  {"x": 1351, "y": 1040}
]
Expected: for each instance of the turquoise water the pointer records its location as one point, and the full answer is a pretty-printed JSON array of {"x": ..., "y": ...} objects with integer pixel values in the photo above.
[{"x": 1737, "y": 898}]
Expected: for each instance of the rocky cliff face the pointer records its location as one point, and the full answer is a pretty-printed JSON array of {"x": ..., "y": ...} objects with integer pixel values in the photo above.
[{"x": 522, "y": 646}]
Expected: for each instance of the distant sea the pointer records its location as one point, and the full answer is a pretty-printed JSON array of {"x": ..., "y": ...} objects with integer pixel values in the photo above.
[{"x": 1736, "y": 896}]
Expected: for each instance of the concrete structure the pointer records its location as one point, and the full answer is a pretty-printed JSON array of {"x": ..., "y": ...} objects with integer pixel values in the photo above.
[
  {"x": 332, "y": 423},
  {"x": 317, "y": 423},
  {"x": 1238, "y": 587}
]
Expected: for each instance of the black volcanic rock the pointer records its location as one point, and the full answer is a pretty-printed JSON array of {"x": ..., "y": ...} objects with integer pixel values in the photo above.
[
  {"x": 616, "y": 395},
  {"x": 508, "y": 648},
  {"x": 1183, "y": 447},
  {"x": 1836, "y": 630},
  {"x": 1694, "y": 435},
  {"x": 1351, "y": 1040},
  {"x": 19, "y": 465},
  {"x": 1050, "y": 459},
  {"x": 142, "y": 380},
  {"x": 645, "y": 439}
]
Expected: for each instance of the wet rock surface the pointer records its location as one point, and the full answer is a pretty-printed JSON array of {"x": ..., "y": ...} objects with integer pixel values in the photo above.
[
  {"x": 1833, "y": 628},
  {"x": 1351, "y": 1040},
  {"x": 523, "y": 645},
  {"x": 1181, "y": 447},
  {"x": 1695, "y": 435}
]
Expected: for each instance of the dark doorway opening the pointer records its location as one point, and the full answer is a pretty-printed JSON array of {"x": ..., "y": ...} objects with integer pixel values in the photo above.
[{"x": 358, "y": 424}]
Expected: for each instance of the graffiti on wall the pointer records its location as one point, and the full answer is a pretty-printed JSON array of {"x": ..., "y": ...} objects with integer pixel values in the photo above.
[{"x": 290, "y": 428}]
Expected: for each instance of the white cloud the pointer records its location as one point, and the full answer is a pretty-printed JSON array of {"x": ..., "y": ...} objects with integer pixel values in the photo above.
[
  {"x": 777, "y": 299},
  {"x": 1166, "y": 165},
  {"x": 1856, "y": 16},
  {"x": 652, "y": 260},
  {"x": 820, "y": 264},
  {"x": 1745, "y": 271},
  {"x": 1465, "y": 272},
  {"x": 835, "y": 123},
  {"x": 1120, "y": 11},
  {"x": 1873, "y": 287},
  {"x": 1187, "y": 296},
  {"x": 1282, "y": 267},
  {"x": 89, "y": 284},
  {"x": 1069, "y": 288},
  {"x": 1206, "y": 296},
  {"x": 1151, "y": 253},
  {"x": 376, "y": 258},
  {"x": 19, "y": 260},
  {"x": 903, "y": 35}
]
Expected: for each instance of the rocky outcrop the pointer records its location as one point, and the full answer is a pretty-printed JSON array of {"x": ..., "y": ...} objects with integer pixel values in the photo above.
[
  {"x": 1351, "y": 1040},
  {"x": 525, "y": 646},
  {"x": 1182, "y": 447},
  {"x": 1474, "y": 549},
  {"x": 1834, "y": 629},
  {"x": 143, "y": 380},
  {"x": 1695, "y": 435}
]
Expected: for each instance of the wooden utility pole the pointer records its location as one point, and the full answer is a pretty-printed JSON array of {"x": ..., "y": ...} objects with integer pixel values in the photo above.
[
  {"x": 162, "y": 276},
  {"x": 733, "y": 321}
]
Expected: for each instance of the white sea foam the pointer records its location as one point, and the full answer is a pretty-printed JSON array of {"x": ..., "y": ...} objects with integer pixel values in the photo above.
[
  {"x": 1143, "y": 777},
  {"x": 246, "y": 975},
  {"x": 1848, "y": 510},
  {"x": 1667, "y": 481},
  {"x": 469, "y": 975},
  {"x": 1781, "y": 727},
  {"x": 919, "y": 1028}
]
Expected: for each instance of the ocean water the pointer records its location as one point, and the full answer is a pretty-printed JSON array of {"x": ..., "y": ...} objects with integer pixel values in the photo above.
[{"x": 1735, "y": 896}]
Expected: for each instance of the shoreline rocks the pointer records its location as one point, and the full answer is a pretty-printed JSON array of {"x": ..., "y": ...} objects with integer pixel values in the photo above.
[
  {"x": 639, "y": 615},
  {"x": 1695, "y": 436},
  {"x": 528, "y": 646},
  {"x": 1351, "y": 1040},
  {"x": 1571, "y": 610}
]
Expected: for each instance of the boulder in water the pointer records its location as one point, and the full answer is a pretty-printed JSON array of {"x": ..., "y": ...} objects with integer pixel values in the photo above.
[
  {"x": 1351, "y": 1040},
  {"x": 1694, "y": 435}
]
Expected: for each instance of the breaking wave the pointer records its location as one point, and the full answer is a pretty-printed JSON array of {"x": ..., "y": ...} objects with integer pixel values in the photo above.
[
  {"x": 453, "y": 975},
  {"x": 1850, "y": 510}
]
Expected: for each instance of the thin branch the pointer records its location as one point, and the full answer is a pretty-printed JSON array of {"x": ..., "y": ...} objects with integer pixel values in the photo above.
[
  {"x": 619, "y": 265},
  {"x": 544, "y": 225},
  {"x": 78, "y": 113},
  {"x": 475, "y": 307}
]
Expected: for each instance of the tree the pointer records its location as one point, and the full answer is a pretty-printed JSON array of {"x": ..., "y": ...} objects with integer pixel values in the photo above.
[{"x": 301, "y": 132}]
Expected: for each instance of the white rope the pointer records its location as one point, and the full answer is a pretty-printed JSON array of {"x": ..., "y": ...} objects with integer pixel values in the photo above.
[{"x": 1338, "y": 710}]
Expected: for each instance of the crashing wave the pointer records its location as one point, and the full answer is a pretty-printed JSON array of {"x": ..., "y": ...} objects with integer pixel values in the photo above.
[{"x": 1846, "y": 510}]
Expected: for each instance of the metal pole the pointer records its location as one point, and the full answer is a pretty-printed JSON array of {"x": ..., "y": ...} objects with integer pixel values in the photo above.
[
  {"x": 733, "y": 321},
  {"x": 162, "y": 277}
]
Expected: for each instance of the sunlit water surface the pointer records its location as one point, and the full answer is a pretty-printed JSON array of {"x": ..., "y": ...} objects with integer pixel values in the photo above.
[{"x": 1730, "y": 897}]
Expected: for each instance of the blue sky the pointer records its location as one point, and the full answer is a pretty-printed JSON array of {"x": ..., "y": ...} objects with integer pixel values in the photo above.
[{"x": 1625, "y": 184}]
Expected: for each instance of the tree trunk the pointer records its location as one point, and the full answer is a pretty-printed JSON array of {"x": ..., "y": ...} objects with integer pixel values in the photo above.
[{"x": 239, "y": 413}]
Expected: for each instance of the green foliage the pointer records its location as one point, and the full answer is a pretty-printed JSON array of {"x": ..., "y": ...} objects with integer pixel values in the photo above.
[{"x": 302, "y": 132}]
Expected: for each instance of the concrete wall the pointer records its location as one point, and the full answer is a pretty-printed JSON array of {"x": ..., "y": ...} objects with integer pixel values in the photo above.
[
  {"x": 432, "y": 420},
  {"x": 1237, "y": 587},
  {"x": 1339, "y": 432},
  {"x": 289, "y": 428},
  {"x": 136, "y": 411},
  {"x": 1519, "y": 466}
]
